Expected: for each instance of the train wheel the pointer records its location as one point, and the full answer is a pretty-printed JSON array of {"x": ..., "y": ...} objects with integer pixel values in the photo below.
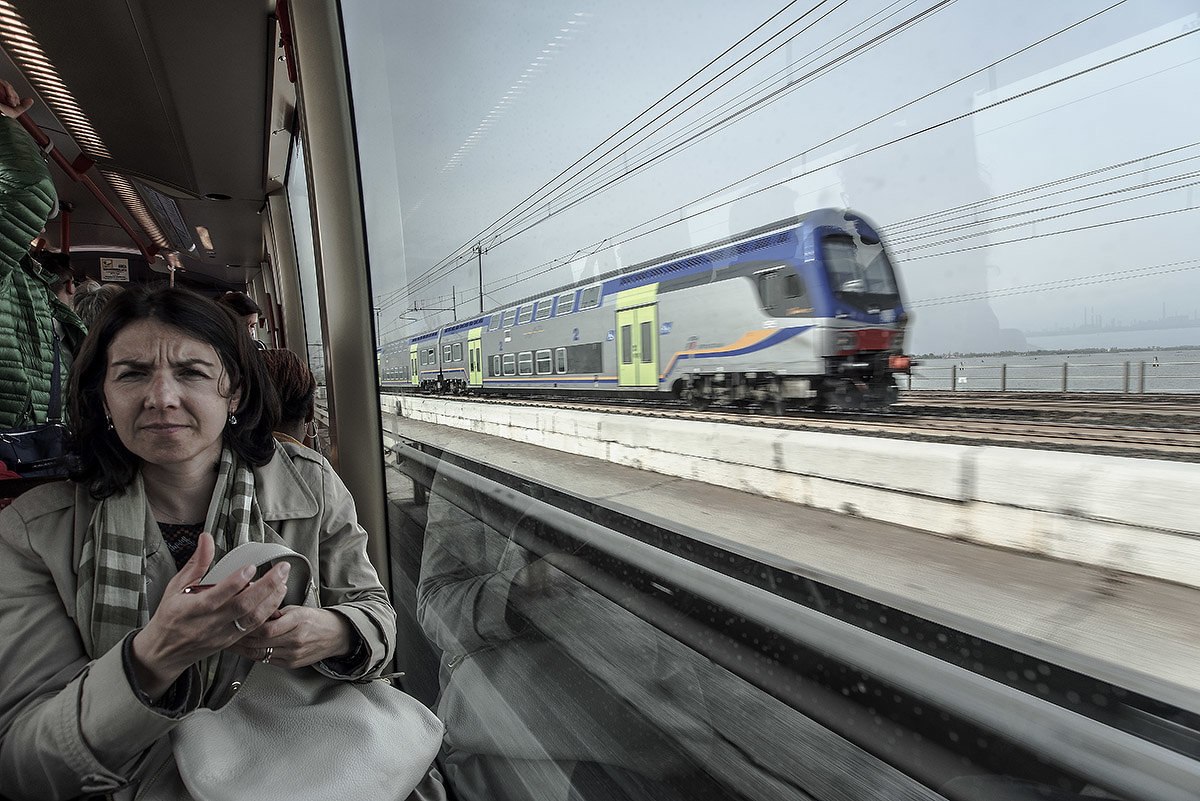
[
  {"x": 847, "y": 396},
  {"x": 777, "y": 403},
  {"x": 696, "y": 396}
]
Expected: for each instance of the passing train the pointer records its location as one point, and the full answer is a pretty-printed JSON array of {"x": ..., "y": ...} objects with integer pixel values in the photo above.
[
  {"x": 804, "y": 311},
  {"x": 588, "y": 630}
]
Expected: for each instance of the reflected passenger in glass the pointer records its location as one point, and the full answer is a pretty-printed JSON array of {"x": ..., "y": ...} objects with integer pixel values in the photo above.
[{"x": 549, "y": 690}]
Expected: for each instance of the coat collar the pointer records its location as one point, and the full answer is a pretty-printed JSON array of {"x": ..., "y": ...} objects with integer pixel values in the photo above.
[{"x": 283, "y": 494}]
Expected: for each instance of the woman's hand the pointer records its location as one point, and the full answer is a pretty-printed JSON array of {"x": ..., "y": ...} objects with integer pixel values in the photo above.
[
  {"x": 297, "y": 636},
  {"x": 188, "y": 627}
]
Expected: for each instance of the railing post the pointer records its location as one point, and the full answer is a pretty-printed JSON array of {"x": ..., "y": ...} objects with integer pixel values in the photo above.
[
  {"x": 1141, "y": 378},
  {"x": 954, "y": 378},
  {"x": 1064, "y": 389},
  {"x": 1126, "y": 390},
  {"x": 1004, "y": 377}
]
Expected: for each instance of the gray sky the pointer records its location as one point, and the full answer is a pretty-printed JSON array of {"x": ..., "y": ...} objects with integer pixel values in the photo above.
[{"x": 464, "y": 109}]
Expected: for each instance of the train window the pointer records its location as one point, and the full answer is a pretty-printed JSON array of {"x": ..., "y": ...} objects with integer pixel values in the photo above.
[
  {"x": 445, "y": 353},
  {"x": 781, "y": 292},
  {"x": 456, "y": 352},
  {"x": 589, "y": 298},
  {"x": 544, "y": 307},
  {"x": 545, "y": 363},
  {"x": 1005, "y": 171},
  {"x": 647, "y": 343}
]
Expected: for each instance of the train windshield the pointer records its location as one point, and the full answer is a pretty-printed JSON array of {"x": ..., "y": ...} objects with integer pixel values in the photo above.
[{"x": 860, "y": 274}]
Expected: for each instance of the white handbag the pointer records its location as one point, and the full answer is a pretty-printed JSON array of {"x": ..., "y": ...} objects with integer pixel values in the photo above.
[{"x": 297, "y": 734}]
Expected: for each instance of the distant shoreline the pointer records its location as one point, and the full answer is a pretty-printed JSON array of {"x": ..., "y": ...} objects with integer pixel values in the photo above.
[{"x": 1044, "y": 352}]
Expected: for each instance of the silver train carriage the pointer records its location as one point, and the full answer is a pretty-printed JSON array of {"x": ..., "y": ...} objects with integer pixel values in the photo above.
[{"x": 804, "y": 311}]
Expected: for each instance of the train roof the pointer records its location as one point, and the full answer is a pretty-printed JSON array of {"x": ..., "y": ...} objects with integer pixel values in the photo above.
[
  {"x": 174, "y": 103},
  {"x": 785, "y": 224}
]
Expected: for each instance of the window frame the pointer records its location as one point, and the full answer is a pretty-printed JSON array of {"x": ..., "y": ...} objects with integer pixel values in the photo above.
[{"x": 584, "y": 302}]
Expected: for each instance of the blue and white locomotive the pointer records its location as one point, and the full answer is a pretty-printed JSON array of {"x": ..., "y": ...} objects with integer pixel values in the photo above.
[{"x": 804, "y": 311}]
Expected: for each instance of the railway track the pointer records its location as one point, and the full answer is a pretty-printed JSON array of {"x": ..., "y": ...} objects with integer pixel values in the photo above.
[{"x": 1121, "y": 430}]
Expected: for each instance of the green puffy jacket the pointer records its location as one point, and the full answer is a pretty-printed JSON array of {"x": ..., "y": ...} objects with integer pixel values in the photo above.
[{"x": 27, "y": 306}]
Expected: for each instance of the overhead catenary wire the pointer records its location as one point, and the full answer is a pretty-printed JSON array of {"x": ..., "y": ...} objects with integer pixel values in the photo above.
[
  {"x": 1168, "y": 268},
  {"x": 648, "y": 226},
  {"x": 449, "y": 263},
  {"x": 709, "y": 124},
  {"x": 679, "y": 213},
  {"x": 1041, "y": 209},
  {"x": 533, "y": 197}
]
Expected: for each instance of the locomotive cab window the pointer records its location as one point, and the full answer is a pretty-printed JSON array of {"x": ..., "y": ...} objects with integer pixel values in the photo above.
[{"x": 859, "y": 273}]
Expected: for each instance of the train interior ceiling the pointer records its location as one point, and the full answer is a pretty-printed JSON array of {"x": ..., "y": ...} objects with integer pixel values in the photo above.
[
  {"x": 642, "y": 643},
  {"x": 175, "y": 107}
]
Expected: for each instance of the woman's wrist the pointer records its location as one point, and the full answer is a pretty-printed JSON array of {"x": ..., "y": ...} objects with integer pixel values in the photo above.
[{"x": 150, "y": 678}]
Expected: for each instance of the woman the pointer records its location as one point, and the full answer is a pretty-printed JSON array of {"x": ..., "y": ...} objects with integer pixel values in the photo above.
[
  {"x": 103, "y": 648},
  {"x": 297, "y": 390}
]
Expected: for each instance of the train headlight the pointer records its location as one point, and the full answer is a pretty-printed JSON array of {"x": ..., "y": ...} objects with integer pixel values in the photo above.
[{"x": 844, "y": 341}]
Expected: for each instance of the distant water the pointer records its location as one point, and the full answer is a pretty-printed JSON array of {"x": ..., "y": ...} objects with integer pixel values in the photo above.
[{"x": 1148, "y": 370}]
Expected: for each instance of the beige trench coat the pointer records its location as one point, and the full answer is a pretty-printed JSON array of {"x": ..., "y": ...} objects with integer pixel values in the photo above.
[{"x": 71, "y": 726}]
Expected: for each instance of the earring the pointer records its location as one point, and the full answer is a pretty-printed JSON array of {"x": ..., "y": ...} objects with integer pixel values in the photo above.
[
  {"x": 310, "y": 429},
  {"x": 232, "y": 419},
  {"x": 108, "y": 417}
]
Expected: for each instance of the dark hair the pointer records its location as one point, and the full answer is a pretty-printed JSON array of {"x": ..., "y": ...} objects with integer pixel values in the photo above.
[
  {"x": 239, "y": 303},
  {"x": 105, "y": 465},
  {"x": 295, "y": 385}
]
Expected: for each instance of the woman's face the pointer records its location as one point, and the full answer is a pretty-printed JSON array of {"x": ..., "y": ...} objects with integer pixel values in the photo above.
[{"x": 167, "y": 394}]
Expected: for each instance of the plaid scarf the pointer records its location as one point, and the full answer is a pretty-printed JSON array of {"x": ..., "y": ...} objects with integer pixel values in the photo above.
[{"x": 110, "y": 600}]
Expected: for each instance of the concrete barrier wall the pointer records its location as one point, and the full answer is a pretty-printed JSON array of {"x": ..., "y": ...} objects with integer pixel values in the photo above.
[{"x": 1138, "y": 516}]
